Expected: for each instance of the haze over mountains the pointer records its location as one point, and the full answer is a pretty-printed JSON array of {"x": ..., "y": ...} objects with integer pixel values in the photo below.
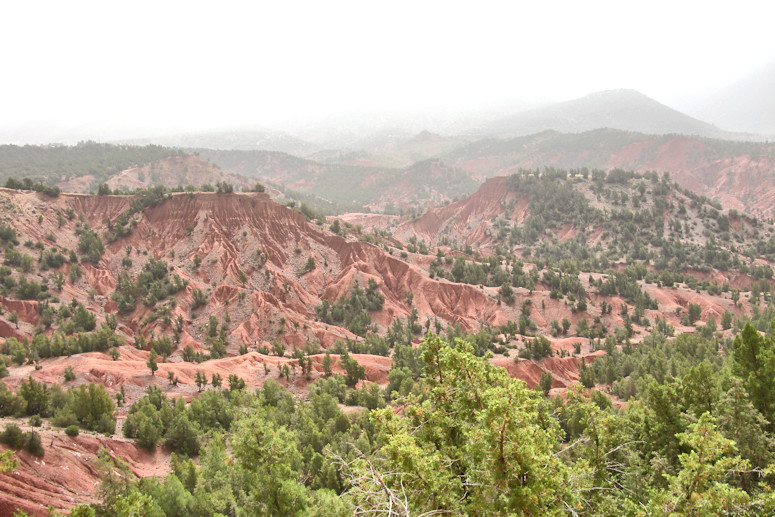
[
  {"x": 403, "y": 167},
  {"x": 626, "y": 110},
  {"x": 742, "y": 111},
  {"x": 747, "y": 105}
]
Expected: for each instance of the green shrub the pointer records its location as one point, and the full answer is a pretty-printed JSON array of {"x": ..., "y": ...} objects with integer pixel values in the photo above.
[
  {"x": 199, "y": 299},
  {"x": 72, "y": 430},
  {"x": 90, "y": 245},
  {"x": 12, "y": 436},
  {"x": 32, "y": 444},
  {"x": 64, "y": 417}
]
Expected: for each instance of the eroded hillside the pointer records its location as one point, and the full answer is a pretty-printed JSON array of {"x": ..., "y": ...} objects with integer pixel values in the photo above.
[
  {"x": 737, "y": 174},
  {"x": 552, "y": 275}
]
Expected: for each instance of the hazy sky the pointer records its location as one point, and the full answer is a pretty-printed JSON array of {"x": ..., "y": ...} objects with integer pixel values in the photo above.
[{"x": 176, "y": 65}]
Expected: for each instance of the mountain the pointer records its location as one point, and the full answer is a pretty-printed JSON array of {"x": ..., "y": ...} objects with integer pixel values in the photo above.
[
  {"x": 357, "y": 129},
  {"x": 401, "y": 151},
  {"x": 171, "y": 172},
  {"x": 237, "y": 139},
  {"x": 738, "y": 174},
  {"x": 627, "y": 110},
  {"x": 54, "y": 163},
  {"x": 351, "y": 184},
  {"x": 747, "y": 105}
]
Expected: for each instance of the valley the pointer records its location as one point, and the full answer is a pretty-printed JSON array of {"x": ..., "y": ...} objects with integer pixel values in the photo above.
[
  {"x": 547, "y": 273},
  {"x": 157, "y": 305},
  {"x": 402, "y": 260}
]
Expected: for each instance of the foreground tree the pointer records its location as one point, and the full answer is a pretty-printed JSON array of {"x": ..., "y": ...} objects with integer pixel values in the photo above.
[
  {"x": 7, "y": 462},
  {"x": 702, "y": 486},
  {"x": 481, "y": 443}
]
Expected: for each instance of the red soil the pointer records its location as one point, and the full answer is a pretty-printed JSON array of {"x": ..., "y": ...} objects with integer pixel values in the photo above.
[
  {"x": 67, "y": 475},
  {"x": 466, "y": 220}
]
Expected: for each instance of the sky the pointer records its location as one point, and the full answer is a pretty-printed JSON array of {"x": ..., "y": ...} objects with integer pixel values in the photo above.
[{"x": 165, "y": 66}]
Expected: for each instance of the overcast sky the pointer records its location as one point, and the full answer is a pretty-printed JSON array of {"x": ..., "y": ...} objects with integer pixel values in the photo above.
[{"x": 191, "y": 65}]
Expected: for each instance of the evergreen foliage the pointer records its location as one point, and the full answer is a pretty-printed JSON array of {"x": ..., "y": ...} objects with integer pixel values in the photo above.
[{"x": 352, "y": 311}]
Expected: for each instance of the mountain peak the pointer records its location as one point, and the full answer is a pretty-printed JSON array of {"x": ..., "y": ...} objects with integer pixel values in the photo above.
[{"x": 623, "y": 109}]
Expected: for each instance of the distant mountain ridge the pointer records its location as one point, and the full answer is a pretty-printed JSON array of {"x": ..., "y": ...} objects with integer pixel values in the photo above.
[
  {"x": 627, "y": 110},
  {"x": 234, "y": 139}
]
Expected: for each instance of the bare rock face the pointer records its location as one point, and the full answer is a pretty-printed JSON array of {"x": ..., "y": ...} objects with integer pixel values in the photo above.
[
  {"x": 467, "y": 221},
  {"x": 67, "y": 474}
]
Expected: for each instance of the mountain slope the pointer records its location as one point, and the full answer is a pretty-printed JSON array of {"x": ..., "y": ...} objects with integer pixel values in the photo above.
[
  {"x": 627, "y": 110},
  {"x": 739, "y": 174},
  {"x": 182, "y": 170},
  {"x": 53, "y": 163},
  {"x": 399, "y": 151},
  {"x": 246, "y": 243},
  {"x": 235, "y": 139},
  {"x": 217, "y": 281},
  {"x": 597, "y": 220},
  {"x": 350, "y": 185}
]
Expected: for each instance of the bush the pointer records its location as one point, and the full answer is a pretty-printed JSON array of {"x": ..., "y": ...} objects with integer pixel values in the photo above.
[
  {"x": 36, "y": 421},
  {"x": 352, "y": 312},
  {"x": 72, "y": 430},
  {"x": 10, "y": 403},
  {"x": 12, "y": 436},
  {"x": 182, "y": 436},
  {"x": 64, "y": 417},
  {"x": 32, "y": 444},
  {"x": 94, "y": 408},
  {"x": 199, "y": 299},
  {"x": 90, "y": 245}
]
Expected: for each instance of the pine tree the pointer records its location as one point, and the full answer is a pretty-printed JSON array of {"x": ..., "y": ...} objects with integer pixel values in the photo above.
[
  {"x": 151, "y": 363},
  {"x": 200, "y": 379}
]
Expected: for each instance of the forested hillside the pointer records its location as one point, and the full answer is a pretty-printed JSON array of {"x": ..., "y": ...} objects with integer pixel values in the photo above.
[
  {"x": 54, "y": 163},
  {"x": 581, "y": 339},
  {"x": 695, "y": 439}
]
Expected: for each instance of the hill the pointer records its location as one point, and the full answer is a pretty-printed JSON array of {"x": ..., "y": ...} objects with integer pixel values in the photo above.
[
  {"x": 244, "y": 243},
  {"x": 349, "y": 185},
  {"x": 177, "y": 171},
  {"x": 54, "y": 163},
  {"x": 598, "y": 219},
  {"x": 234, "y": 139},
  {"x": 396, "y": 150},
  {"x": 174, "y": 172},
  {"x": 626, "y": 110},
  {"x": 738, "y": 174},
  {"x": 238, "y": 290}
]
